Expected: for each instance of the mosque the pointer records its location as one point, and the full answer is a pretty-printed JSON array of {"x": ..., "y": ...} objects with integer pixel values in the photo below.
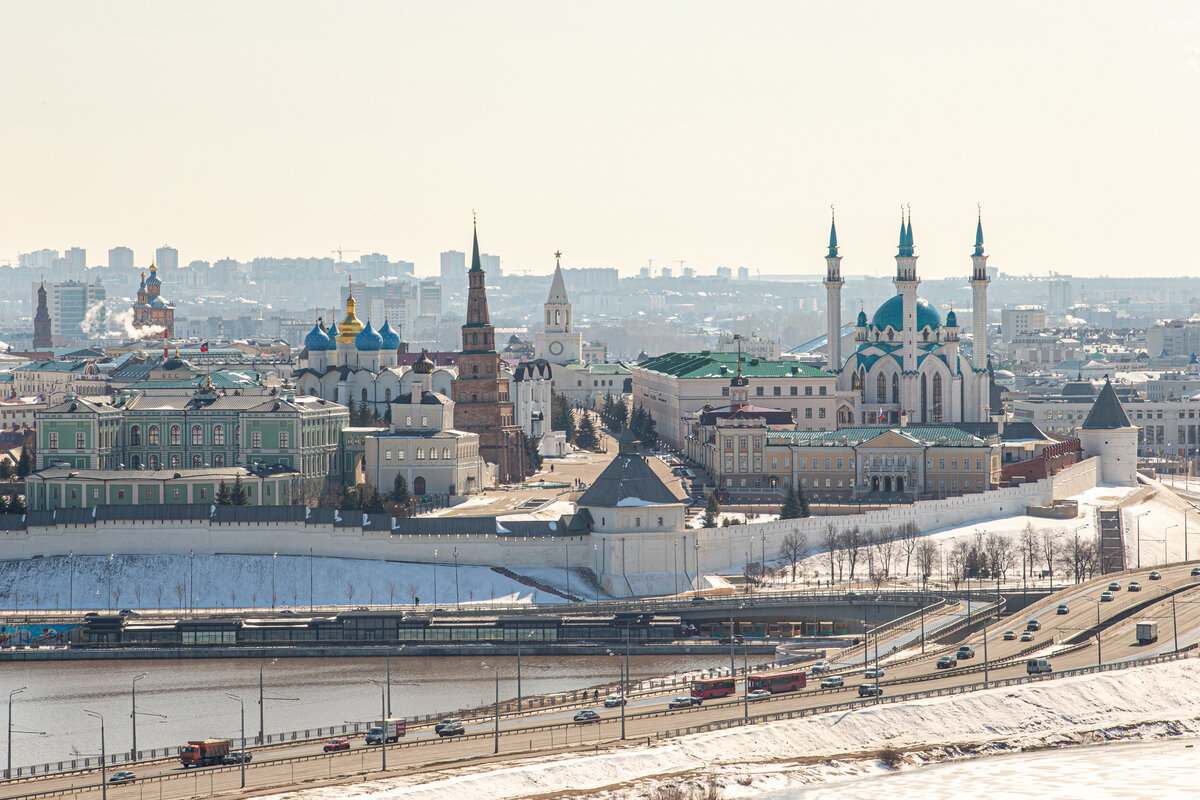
[{"x": 907, "y": 366}]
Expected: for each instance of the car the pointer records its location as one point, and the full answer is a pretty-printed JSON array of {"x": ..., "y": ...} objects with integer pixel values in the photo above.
[
  {"x": 1134, "y": 586},
  {"x": 614, "y": 701},
  {"x": 237, "y": 757},
  {"x": 448, "y": 721},
  {"x": 1115, "y": 586},
  {"x": 1195, "y": 571},
  {"x": 739, "y": 639},
  {"x": 699, "y": 598},
  {"x": 128, "y": 612},
  {"x": 1106, "y": 597},
  {"x": 1033, "y": 625},
  {"x": 947, "y": 662},
  {"x": 1063, "y": 608},
  {"x": 965, "y": 651},
  {"x": 869, "y": 690},
  {"x": 287, "y": 612},
  {"x": 452, "y": 729},
  {"x": 1026, "y": 636},
  {"x": 833, "y": 682},
  {"x": 1157, "y": 576},
  {"x": 587, "y": 715},
  {"x": 124, "y": 776},
  {"x": 873, "y": 672},
  {"x": 684, "y": 702},
  {"x": 758, "y": 694},
  {"x": 333, "y": 745},
  {"x": 1010, "y": 635},
  {"x": 821, "y": 666}
]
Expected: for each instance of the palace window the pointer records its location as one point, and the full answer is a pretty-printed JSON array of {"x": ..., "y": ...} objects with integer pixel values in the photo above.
[
  {"x": 197, "y": 435},
  {"x": 176, "y": 435},
  {"x": 53, "y": 441},
  {"x": 219, "y": 435},
  {"x": 152, "y": 435}
]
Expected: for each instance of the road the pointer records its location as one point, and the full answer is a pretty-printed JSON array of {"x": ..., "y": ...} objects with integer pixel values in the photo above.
[{"x": 647, "y": 715}]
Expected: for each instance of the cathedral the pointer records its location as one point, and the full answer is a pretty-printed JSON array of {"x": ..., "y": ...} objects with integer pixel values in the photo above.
[
  {"x": 907, "y": 366},
  {"x": 481, "y": 391},
  {"x": 150, "y": 310}
]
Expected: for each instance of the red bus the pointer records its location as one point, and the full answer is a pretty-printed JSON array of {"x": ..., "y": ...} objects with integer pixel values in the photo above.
[
  {"x": 781, "y": 680},
  {"x": 706, "y": 688}
]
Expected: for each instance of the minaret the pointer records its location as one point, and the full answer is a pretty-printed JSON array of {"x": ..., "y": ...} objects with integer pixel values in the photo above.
[
  {"x": 42, "y": 339},
  {"x": 979, "y": 285},
  {"x": 833, "y": 300},
  {"x": 906, "y": 286}
]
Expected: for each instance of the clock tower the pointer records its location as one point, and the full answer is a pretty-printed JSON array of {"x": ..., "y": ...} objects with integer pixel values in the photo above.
[{"x": 559, "y": 343}]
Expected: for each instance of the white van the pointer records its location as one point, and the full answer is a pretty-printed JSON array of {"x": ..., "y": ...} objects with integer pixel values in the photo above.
[{"x": 1035, "y": 666}]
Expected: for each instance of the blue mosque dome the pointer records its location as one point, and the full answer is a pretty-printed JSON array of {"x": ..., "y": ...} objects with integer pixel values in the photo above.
[
  {"x": 892, "y": 313},
  {"x": 391, "y": 339},
  {"x": 368, "y": 339},
  {"x": 862, "y": 319},
  {"x": 318, "y": 340},
  {"x": 951, "y": 319}
]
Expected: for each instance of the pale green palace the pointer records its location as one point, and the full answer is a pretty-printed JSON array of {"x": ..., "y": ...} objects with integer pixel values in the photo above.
[{"x": 62, "y": 487}]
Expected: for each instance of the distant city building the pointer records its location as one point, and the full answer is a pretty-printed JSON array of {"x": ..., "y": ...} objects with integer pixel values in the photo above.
[
  {"x": 724, "y": 273},
  {"x": 490, "y": 264},
  {"x": 1021, "y": 320},
  {"x": 1179, "y": 337},
  {"x": 558, "y": 342},
  {"x": 120, "y": 258},
  {"x": 1061, "y": 296},
  {"x": 151, "y": 313},
  {"x": 39, "y": 259},
  {"x": 743, "y": 274},
  {"x": 41, "y": 321},
  {"x": 453, "y": 265},
  {"x": 68, "y": 303},
  {"x": 753, "y": 346},
  {"x": 430, "y": 294},
  {"x": 166, "y": 257},
  {"x": 75, "y": 258}
]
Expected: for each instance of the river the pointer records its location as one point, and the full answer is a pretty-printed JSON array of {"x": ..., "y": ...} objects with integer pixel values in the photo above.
[{"x": 181, "y": 700}]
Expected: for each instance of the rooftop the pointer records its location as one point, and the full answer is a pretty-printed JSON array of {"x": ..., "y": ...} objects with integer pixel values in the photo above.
[{"x": 708, "y": 364}]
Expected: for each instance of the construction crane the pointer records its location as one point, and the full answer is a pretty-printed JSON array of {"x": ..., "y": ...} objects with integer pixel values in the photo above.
[{"x": 339, "y": 252}]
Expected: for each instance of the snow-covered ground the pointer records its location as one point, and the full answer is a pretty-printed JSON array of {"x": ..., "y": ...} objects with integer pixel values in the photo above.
[
  {"x": 735, "y": 516},
  {"x": 229, "y": 581},
  {"x": 1141, "y": 703}
]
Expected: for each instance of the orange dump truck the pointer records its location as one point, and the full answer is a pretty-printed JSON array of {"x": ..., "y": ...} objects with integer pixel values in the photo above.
[{"x": 203, "y": 752}]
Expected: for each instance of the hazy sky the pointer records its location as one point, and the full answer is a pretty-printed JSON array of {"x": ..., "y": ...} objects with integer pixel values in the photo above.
[{"x": 717, "y": 133}]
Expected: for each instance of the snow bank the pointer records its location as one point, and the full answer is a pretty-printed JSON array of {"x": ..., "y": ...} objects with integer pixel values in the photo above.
[{"x": 1054, "y": 712}]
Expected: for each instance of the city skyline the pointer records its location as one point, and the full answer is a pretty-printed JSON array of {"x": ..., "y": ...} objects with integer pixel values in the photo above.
[{"x": 670, "y": 132}]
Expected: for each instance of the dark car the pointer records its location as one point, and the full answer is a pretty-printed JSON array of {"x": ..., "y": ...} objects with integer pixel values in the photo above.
[
  {"x": 1063, "y": 608},
  {"x": 869, "y": 690},
  {"x": 452, "y": 729},
  {"x": 333, "y": 745},
  {"x": 124, "y": 776},
  {"x": 587, "y": 715},
  {"x": 947, "y": 662},
  {"x": 965, "y": 651},
  {"x": 1157, "y": 576},
  {"x": 1195, "y": 571},
  {"x": 684, "y": 702},
  {"x": 447, "y": 722},
  {"x": 238, "y": 757}
]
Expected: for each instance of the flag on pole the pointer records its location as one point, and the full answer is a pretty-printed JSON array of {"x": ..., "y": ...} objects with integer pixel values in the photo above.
[
  {"x": 881, "y": 415},
  {"x": 204, "y": 347}
]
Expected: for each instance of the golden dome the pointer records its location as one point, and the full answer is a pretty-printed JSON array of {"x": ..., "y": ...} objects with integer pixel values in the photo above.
[{"x": 351, "y": 326}]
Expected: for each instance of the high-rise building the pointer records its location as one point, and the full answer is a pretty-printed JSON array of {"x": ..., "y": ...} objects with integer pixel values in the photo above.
[
  {"x": 454, "y": 264},
  {"x": 120, "y": 258},
  {"x": 481, "y": 392},
  {"x": 431, "y": 299},
  {"x": 76, "y": 258},
  {"x": 491, "y": 265},
  {"x": 1061, "y": 297},
  {"x": 67, "y": 304},
  {"x": 743, "y": 273},
  {"x": 39, "y": 259},
  {"x": 167, "y": 258}
]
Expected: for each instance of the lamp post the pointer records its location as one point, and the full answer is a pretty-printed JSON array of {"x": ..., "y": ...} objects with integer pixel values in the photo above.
[
  {"x": 1138, "y": 518},
  {"x": 103, "y": 755},
  {"x": 71, "y": 590},
  {"x": 675, "y": 564},
  {"x": 519, "y": 640},
  {"x": 13, "y": 693},
  {"x": 383, "y": 721},
  {"x": 191, "y": 581},
  {"x": 274, "y": 556},
  {"x": 496, "y": 735},
  {"x": 697, "y": 562},
  {"x": 242, "y": 759},
  {"x": 435, "y": 555},
  {"x": 261, "y": 706},
  {"x": 133, "y": 716},
  {"x": 310, "y": 579},
  {"x": 111, "y": 558},
  {"x": 1099, "y": 650},
  {"x": 1166, "y": 558},
  {"x": 624, "y": 679},
  {"x": 456, "y": 595},
  {"x": 745, "y": 686}
]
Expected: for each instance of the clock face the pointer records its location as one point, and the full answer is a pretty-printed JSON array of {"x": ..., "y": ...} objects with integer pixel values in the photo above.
[{"x": 556, "y": 348}]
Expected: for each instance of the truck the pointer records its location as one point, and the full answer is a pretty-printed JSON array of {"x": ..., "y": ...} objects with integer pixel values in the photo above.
[
  {"x": 203, "y": 752},
  {"x": 1147, "y": 631},
  {"x": 395, "y": 729}
]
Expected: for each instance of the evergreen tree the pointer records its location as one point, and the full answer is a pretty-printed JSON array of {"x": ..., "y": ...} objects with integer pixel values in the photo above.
[
  {"x": 400, "y": 491},
  {"x": 712, "y": 510},
  {"x": 24, "y": 464},
  {"x": 531, "y": 453},
  {"x": 371, "y": 501},
  {"x": 620, "y": 416},
  {"x": 6, "y": 470},
  {"x": 803, "y": 501},
  {"x": 587, "y": 437},
  {"x": 561, "y": 418},
  {"x": 16, "y": 505},
  {"x": 606, "y": 411},
  {"x": 353, "y": 411},
  {"x": 4, "y": 504},
  {"x": 224, "y": 496},
  {"x": 791, "y": 505},
  {"x": 642, "y": 424},
  {"x": 349, "y": 500},
  {"x": 240, "y": 496}
]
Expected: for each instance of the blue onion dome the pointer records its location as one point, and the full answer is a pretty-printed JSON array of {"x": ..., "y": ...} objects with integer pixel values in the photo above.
[
  {"x": 892, "y": 313},
  {"x": 862, "y": 319},
  {"x": 391, "y": 339},
  {"x": 951, "y": 319},
  {"x": 318, "y": 340},
  {"x": 368, "y": 339},
  {"x": 332, "y": 333},
  {"x": 153, "y": 279},
  {"x": 423, "y": 366}
]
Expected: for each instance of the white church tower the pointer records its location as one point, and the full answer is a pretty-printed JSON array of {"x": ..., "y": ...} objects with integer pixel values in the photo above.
[{"x": 559, "y": 342}]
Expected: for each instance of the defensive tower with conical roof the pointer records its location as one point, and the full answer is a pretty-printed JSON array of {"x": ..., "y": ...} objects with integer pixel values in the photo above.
[{"x": 1108, "y": 434}]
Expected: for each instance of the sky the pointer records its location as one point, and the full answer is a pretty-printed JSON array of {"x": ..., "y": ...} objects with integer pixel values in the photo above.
[{"x": 718, "y": 134}]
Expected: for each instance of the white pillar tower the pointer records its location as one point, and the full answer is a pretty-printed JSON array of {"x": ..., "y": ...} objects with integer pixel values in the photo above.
[
  {"x": 833, "y": 300},
  {"x": 906, "y": 286},
  {"x": 979, "y": 285}
]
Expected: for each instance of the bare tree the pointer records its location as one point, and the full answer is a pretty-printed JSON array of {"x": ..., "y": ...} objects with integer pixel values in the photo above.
[
  {"x": 869, "y": 550},
  {"x": 793, "y": 549},
  {"x": 391, "y": 590},
  {"x": 233, "y": 597},
  {"x": 908, "y": 535},
  {"x": 412, "y": 592},
  {"x": 852, "y": 543},
  {"x": 999, "y": 552},
  {"x": 180, "y": 591},
  {"x": 830, "y": 546},
  {"x": 295, "y": 596},
  {"x": 1083, "y": 555},
  {"x": 350, "y": 591},
  {"x": 371, "y": 594},
  {"x": 116, "y": 596},
  {"x": 158, "y": 596},
  {"x": 1050, "y": 549},
  {"x": 137, "y": 593},
  {"x": 888, "y": 547},
  {"x": 1029, "y": 548},
  {"x": 959, "y": 561},
  {"x": 926, "y": 555}
]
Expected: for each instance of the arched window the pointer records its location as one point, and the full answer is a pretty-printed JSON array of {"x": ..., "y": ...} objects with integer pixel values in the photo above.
[
  {"x": 175, "y": 434},
  {"x": 433, "y": 454},
  {"x": 387, "y": 395},
  {"x": 895, "y": 387},
  {"x": 135, "y": 436},
  {"x": 218, "y": 460},
  {"x": 474, "y": 370},
  {"x": 197, "y": 435},
  {"x": 364, "y": 395},
  {"x": 153, "y": 462},
  {"x": 175, "y": 461},
  {"x": 196, "y": 462},
  {"x": 924, "y": 400},
  {"x": 152, "y": 435},
  {"x": 937, "y": 397},
  {"x": 219, "y": 435},
  {"x": 135, "y": 461},
  {"x": 420, "y": 454},
  {"x": 445, "y": 452},
  {"x": 881, "y": 389}
]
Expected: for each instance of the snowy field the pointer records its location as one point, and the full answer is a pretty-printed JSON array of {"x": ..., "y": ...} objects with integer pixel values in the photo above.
[
  {"x": 1137, "y": 704},
  {"x": 229, "y": 581}
]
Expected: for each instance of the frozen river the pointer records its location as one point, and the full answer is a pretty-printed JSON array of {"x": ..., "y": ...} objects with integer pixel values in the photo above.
[
  {"x": 1162, "y": 770},
  {"x": 49, "y": 721}
]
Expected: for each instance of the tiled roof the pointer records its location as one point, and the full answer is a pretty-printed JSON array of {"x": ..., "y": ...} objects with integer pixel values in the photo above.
[
  {"x": 1107, "y": 412},
  {"x": 944, "y": 435},
  {"x": 725, "y": 365}
]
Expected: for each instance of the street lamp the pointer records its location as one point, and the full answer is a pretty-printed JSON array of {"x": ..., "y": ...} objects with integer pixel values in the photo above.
[
  {"x": 103, "y": 755},
  {"x": 274, "y": 556},
  {"x": 242, "y": 758},
  {"x": 1099, "y": 651},
  {"x": 261, "y": 709},
  {"x": 457, "y": 599},
  {"x": 383, "y": 721},
  {"x": 496, "y": 737},
  {"x": 1166, "y": 558},
  {"x": 435, "y": 555},
  {"x": 1138, "y": 518},
  {"x": 567, "y": 565},
  {"x": 133, "y": 716},
  {"x": 111, "y": 557},
  {"x": 8, "y": 772},
  {"x": 71, "y": 591},
  {"x": 624, "y": 680},
  {"x": 696, "y": 546},
  {"x": 191, "y": 581}
]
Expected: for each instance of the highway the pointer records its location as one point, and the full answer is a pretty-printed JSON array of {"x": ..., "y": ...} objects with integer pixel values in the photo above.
[{"x": 647, "y": 716}]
